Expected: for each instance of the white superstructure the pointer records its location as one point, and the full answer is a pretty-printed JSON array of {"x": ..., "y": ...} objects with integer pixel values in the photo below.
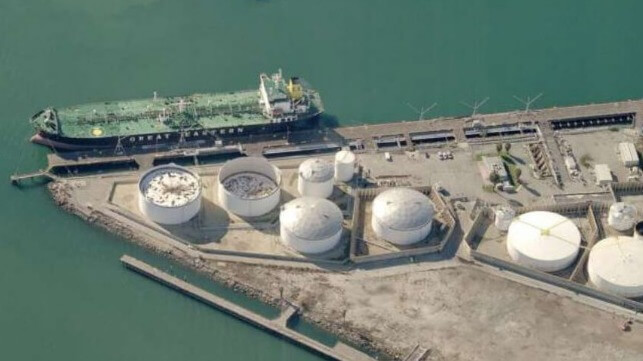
[
  {"x": 503, "y": 217},
  {"x": 402, "y": 216},
  {"x": 169, "y": 194},
  {"x": 310, "y": 225},
  {"x": 615, "y": 265},
  {"x": 344, "y": 165},
  {"x": 621, "y": 216},
  {"x": 249, "y": 186},
  {"x": 282, "y": 101},
  {"x": 315, "y": 178},
  {"x": 545, "y": 241}
]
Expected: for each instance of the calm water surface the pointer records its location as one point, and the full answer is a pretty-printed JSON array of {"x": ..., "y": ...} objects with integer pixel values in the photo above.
[{"x": 63, "y": 293}]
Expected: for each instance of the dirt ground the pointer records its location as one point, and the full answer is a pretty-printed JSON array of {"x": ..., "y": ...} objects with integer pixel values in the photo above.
[{"x": 458, "y": 311}]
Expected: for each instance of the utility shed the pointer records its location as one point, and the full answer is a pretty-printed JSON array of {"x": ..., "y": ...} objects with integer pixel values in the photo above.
[
  {"x": 603, "y": 174},
  {"x": 629, "y": 156},
  {"x": 494, "y": 164}
]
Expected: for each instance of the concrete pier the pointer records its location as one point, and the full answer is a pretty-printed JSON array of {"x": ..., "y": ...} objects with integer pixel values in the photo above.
[
  {"x": 16, "y": 179},
  {"x": 339, "y": 351}
]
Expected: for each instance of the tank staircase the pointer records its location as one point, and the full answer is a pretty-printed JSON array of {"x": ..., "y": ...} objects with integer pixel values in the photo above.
[{"x": 418, "y": 354}]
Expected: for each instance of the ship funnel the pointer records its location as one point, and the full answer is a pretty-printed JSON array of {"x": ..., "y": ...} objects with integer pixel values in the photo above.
[{"x": 294, "y": 89}]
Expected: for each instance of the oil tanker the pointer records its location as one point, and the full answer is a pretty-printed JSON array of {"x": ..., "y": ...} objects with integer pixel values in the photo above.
[{"x": 277, "y": 106}]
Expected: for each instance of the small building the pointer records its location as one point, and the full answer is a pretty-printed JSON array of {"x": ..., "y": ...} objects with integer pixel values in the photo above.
[
  {"x": 603, "y": 174},
  {"x": 628, "y": 154},
  {"x": 494, "y": 164}
]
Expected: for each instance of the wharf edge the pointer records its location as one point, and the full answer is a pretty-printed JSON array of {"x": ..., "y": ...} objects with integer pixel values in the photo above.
[{"x": 339, "y": 351}]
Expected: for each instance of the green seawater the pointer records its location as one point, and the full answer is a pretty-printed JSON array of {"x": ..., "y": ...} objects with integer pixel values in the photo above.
[{"x": 63, "y": 293}]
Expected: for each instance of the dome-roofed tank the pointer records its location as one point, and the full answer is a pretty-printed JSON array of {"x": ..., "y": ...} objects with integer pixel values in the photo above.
[
  {"x": 615, "y": 265},
  {"x": 402, "y": 216},
  {"x": 310, "y": 224},
  {"x": 622, "y": 216},
  {"x": 315, "y": 178},
  {"x": 249, "y": 186},
  {"x": 169, "y": 194},
  {"x": 344, "y": 165},
  {"x": 545, "y": 241},
  {"x": 503, "y": 218}
]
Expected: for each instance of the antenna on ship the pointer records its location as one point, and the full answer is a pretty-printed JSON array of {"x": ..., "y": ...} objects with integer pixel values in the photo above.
[
  {"x": 119, "y": 149},
  {"x": 527, "y": 102},
  {"x": 475, "y": 106},
  {"x": 422, "y": 110},
  {"x": 181, "y": 143}
]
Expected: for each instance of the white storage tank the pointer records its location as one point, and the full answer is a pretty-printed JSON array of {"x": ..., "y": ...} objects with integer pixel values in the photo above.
[
  {"x": 503, "y": 217},
  {"x": 169, "y": 194},
  {"x": 402, "y": 216},
  {"x": 615, "y": 265},
  {"x": 249, "y": 186},
  {"x": 621, "y": 216},
  {"x": 344, "y": 165},
  {"x": 310, "y": 225},
  {"x": 638, "y": 231},
  {"x": 315, "y": 178},
  {"x": 545, "y": 241}
]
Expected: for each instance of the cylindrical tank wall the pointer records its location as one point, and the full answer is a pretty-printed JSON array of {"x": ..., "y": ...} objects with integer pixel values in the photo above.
[
  {"x": 402, "y": 238},
  {"x": 168, "y": 215},
  {"x": 621, "y": 216},
  {"x": 344, "y": 165},
  {"x": 545, "y": 241},
  {"x": 307, "y": 246},
  {"x": 308, "y": 188},
  {"x": 315, "y": 178},
  {"x": 248, "y": 207},
  {"x": 615, "y": 265}
]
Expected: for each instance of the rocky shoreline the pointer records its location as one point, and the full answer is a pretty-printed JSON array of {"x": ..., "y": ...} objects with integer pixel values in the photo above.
[{"x": 345, "y": 330}]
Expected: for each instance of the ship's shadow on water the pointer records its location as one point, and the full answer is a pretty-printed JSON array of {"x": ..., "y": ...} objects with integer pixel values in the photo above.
[{"x": 328, "y": 121}]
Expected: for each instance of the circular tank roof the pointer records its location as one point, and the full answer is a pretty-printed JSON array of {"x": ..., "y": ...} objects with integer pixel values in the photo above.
[
  {"x": 316, "y": 170},
  {"x": 543, "y": 240},
  {"x": 249, "y": 185},
  {"x": 616, "y": 265},
  {"x": 170, "y": 186},
  {"x": 622, "y": 215},
  {"x": 402, "y": 209},
  {"x": 311, "y": 218}
]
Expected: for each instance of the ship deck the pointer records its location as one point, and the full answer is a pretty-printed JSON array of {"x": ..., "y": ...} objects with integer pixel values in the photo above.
[{"x": 146, "y": 116}]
